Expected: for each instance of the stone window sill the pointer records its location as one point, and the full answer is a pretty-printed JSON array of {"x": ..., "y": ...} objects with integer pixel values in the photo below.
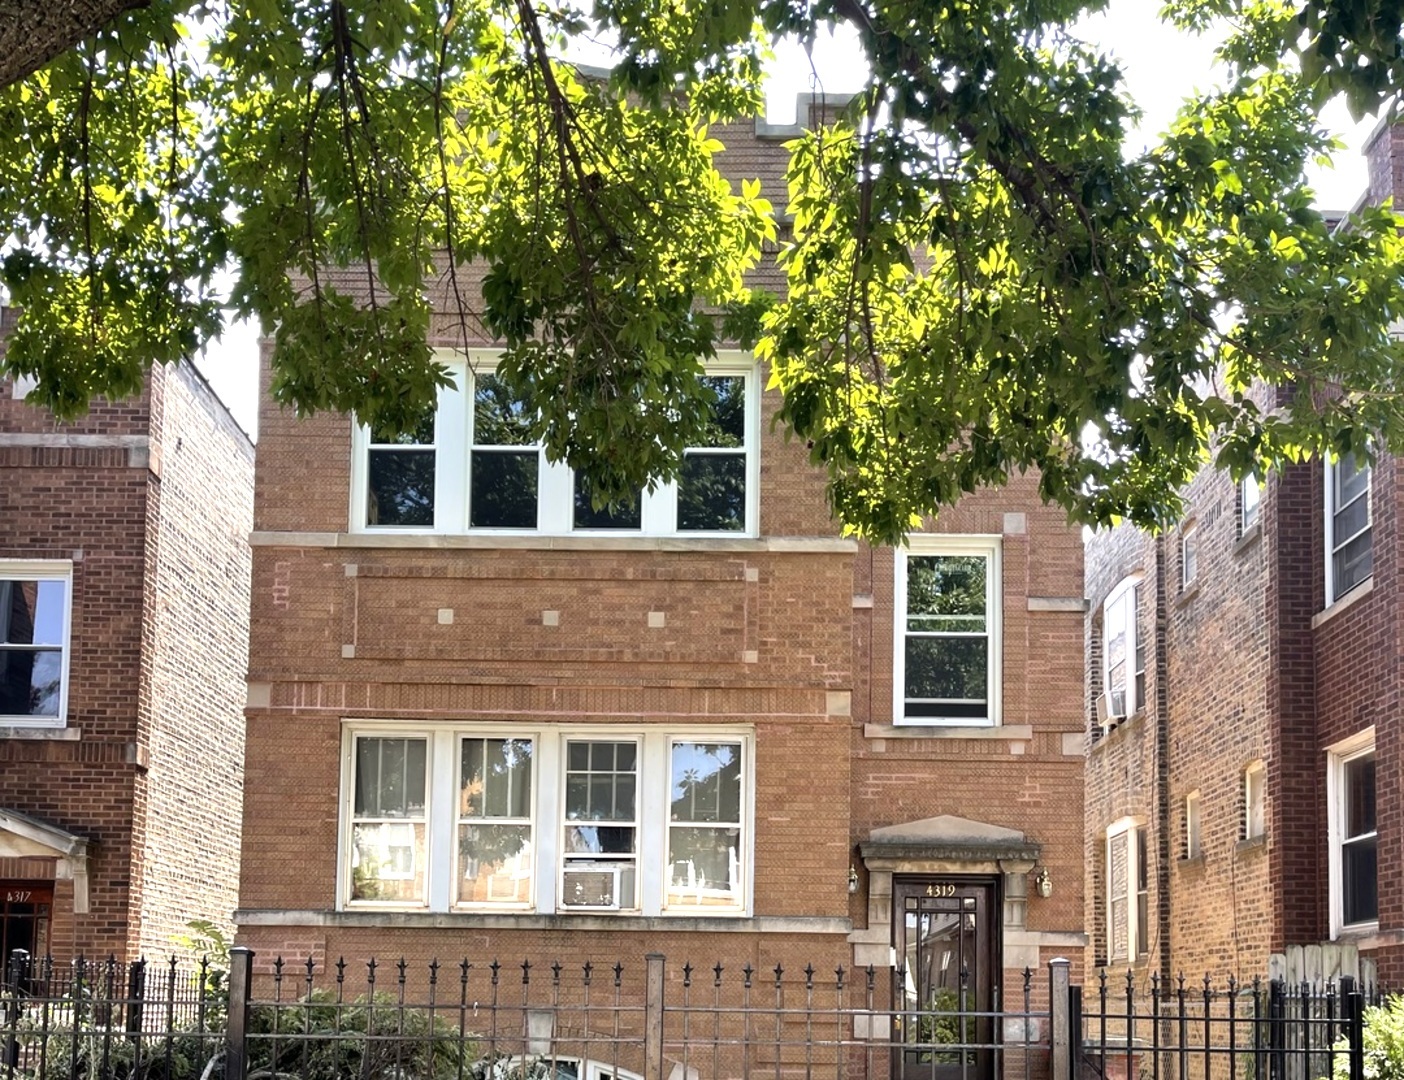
[
  {"x": 1364, "y": 589},
  {"x": 1012, "y": 732},
  {"x": 41, "y": 734},
  {"x": 1250, "y": 536},
  {"x": 1251, "y": 844}
]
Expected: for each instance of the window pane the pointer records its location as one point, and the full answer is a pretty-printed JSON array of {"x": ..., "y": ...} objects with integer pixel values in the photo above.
[
  {"x": 706, "y": 782},
  {"x": 712, "y": 493},
  {"x": 494, "y": 863},
  {"x": 947, "y": 668},
  {"x": 621, "y": 517},
  {"x": 499, "y": 417},
  {"x": 390, "y": 778},
  {"x": 1251, "y": 496},
  {"x": 31, "y": 612},
  {"x": 726, "y": 427},
  {"x": 504, "y": 488},
  {"x": 1350, "y": 521},
  {"x": 388, "y": 861},
  {"x": 31, "y": 682},
  {"x": 600, "y": 840},
  {"x": 419, "y": 434},
  {"x": 1352, "y": 479},
  {"x": 946, "y": 592},
  {"x": 495, "y": 778},
  {"x": 1359, "y": 783},
  {"x": 1360, "y": 877},
  {"x": 400, "y": 488},
  {"x": 704, "y": 867},
  {"x": 606, "y": 792},
  {"x": 1352, "y": 564}
]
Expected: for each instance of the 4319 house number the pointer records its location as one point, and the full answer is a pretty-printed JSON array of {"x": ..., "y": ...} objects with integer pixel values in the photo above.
[{"x": 945, "y": 888}]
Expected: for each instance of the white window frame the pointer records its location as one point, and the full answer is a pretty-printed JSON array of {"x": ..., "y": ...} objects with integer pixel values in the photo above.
[
  {"x": 442, "y": 778},
  {"x": 991, "y": 548},
  {"x": 1338, "y": 756},
  {"x": 556, "y": 492},
  {"x": 1127, "y": 588},
  {"x": 1255, "y": 801},
  {"x": 1194, "y": 825},
  {"x": 1333, "y": 543},
  {"x": 1136, "y": 948},
  {"x": 46, "y": 570},
  {"x": 1189, "y": 555}
]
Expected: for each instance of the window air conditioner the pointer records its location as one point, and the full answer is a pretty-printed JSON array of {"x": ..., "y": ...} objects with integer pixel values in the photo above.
[
  {"x": 591, "y": 885},
  {"x": 1111, "y": 707}
]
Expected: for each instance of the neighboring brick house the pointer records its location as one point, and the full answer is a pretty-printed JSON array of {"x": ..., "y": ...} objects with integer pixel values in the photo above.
[
  {"x": 124, "y": 571},
  {"x": 484, "y": 721},
  {"x": 1244, "y": 772}
]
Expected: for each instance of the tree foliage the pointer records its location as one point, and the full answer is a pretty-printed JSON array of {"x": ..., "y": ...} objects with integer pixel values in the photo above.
[{"x": 981, "y": 278}]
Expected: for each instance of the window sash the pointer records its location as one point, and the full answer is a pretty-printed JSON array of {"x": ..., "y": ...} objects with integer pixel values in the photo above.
[
  {"x": 34, "y": 674},
  {"x": 1123, "y": 650},
  {"x": 964, "y": 657},
  {"x": 1349, "y": 520},
  {"x": 1354, "y": 869},
  {"x": 460, "y": 462}
]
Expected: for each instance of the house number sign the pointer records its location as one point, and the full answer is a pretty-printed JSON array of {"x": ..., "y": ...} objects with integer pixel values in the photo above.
[
  {"x": 944, "y": 888},
  {"x": 18, "y": 896}
]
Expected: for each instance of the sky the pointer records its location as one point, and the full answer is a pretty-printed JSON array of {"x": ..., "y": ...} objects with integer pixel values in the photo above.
[{"x": 1162, "y": 67}]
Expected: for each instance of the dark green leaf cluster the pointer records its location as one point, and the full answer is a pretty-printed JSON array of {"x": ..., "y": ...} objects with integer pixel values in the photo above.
[{"x": 981, "y": 280}]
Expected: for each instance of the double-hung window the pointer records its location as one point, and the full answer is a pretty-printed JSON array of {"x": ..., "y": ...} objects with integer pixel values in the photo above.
[
  {"x": 1349, "y": 555},
  {"x": 34, "y": 646},
  {"x": 1250, "y": 496},
  {"x": 555, "y": 819},
  {"x": 1123, "y": 651},
  {"x": 1189, "y": 555},
  {"x": 474, "y": 466},
  {"x": 1354, "y": 864},
  {"x": 1127, "y": 880},
  {"x": 947, "y": 632}
]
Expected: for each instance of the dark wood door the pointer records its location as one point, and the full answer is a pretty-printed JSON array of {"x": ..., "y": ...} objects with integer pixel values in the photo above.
[
  {"x": 946, "y": 979},
  {"x": 25, "y": 907}
]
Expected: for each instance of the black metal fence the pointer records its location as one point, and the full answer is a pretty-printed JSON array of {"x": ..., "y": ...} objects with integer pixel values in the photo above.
[
  {"x": 649, "y": 1020},
  {"x": 1262, "y": 1030}
]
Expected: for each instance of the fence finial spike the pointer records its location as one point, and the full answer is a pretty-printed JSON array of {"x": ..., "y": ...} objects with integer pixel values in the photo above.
[
  {"x": 718, "y": 972},
  {"x": 687, "y": 973}
]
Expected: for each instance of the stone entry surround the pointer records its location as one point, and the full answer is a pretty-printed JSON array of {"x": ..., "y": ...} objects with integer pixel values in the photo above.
[{"x": 956, "y": 846}]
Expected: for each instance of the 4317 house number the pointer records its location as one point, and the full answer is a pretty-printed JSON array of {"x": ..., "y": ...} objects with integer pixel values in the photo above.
[
  {"x": 945, "y": 888},
  {"x": 18, "y": 896}
]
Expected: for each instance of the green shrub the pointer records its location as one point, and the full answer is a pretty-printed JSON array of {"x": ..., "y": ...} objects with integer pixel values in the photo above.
[
  {"x": 1382, "y": 1043},
  {"x": 370, "y": 1038}
]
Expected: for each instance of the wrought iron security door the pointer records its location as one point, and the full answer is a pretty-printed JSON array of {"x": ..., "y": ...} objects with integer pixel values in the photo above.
[{"x": 946, "y": 977}]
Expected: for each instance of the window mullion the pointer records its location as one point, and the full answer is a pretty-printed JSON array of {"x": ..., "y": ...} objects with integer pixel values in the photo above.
[
  {"x": 441, "y": 803},
  {"x": 654, "y": 774},
  {"x": 451, "y": 437},
  {"x": 550, "y": 778}
]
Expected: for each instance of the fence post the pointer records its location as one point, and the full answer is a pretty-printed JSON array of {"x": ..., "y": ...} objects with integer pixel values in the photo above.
[
  {"x": 1075, "y": 1026},
  {"x": 1060, "y": 1018},
  {"x": 19, "y": 962},
  {"x": 653, "y": 1017},
  {"x": 1277, "y": 1030},
  {"x": 136, "y": 990},
  {"x": 236, "y": 1051},
  {"x": 1355, "y": 1026}
]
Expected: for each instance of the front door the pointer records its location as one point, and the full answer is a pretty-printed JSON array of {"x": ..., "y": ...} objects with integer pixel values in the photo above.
[
  {"x": 946, "y": 977},
  {"x": 25, "y": 907}
]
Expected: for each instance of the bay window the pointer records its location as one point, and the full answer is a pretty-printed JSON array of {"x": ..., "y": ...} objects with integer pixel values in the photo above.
[{"x": 554, "y": 819}]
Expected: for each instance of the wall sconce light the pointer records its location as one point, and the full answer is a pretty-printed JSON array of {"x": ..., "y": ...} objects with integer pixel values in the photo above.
[
  {"x": 1043, "y": 882},
  {"x": 852, "y": 878}
]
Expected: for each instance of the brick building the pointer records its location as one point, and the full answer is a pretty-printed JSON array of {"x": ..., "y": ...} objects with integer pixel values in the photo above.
[
  {"x": 485, "y": 721},
  {"x": 124, "y": 573},
  {"x": 1243, "y": 775}
]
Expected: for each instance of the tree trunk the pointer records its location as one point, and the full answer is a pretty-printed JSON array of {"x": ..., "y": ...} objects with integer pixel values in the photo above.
[{"x": 33, "y": 32}]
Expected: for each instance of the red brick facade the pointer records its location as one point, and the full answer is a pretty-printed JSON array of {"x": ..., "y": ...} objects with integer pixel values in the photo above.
[
  {"x": 146, "y": 505},
  {"x": 1252, "y": 662},
  {"x": 783, "y": 634}
]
